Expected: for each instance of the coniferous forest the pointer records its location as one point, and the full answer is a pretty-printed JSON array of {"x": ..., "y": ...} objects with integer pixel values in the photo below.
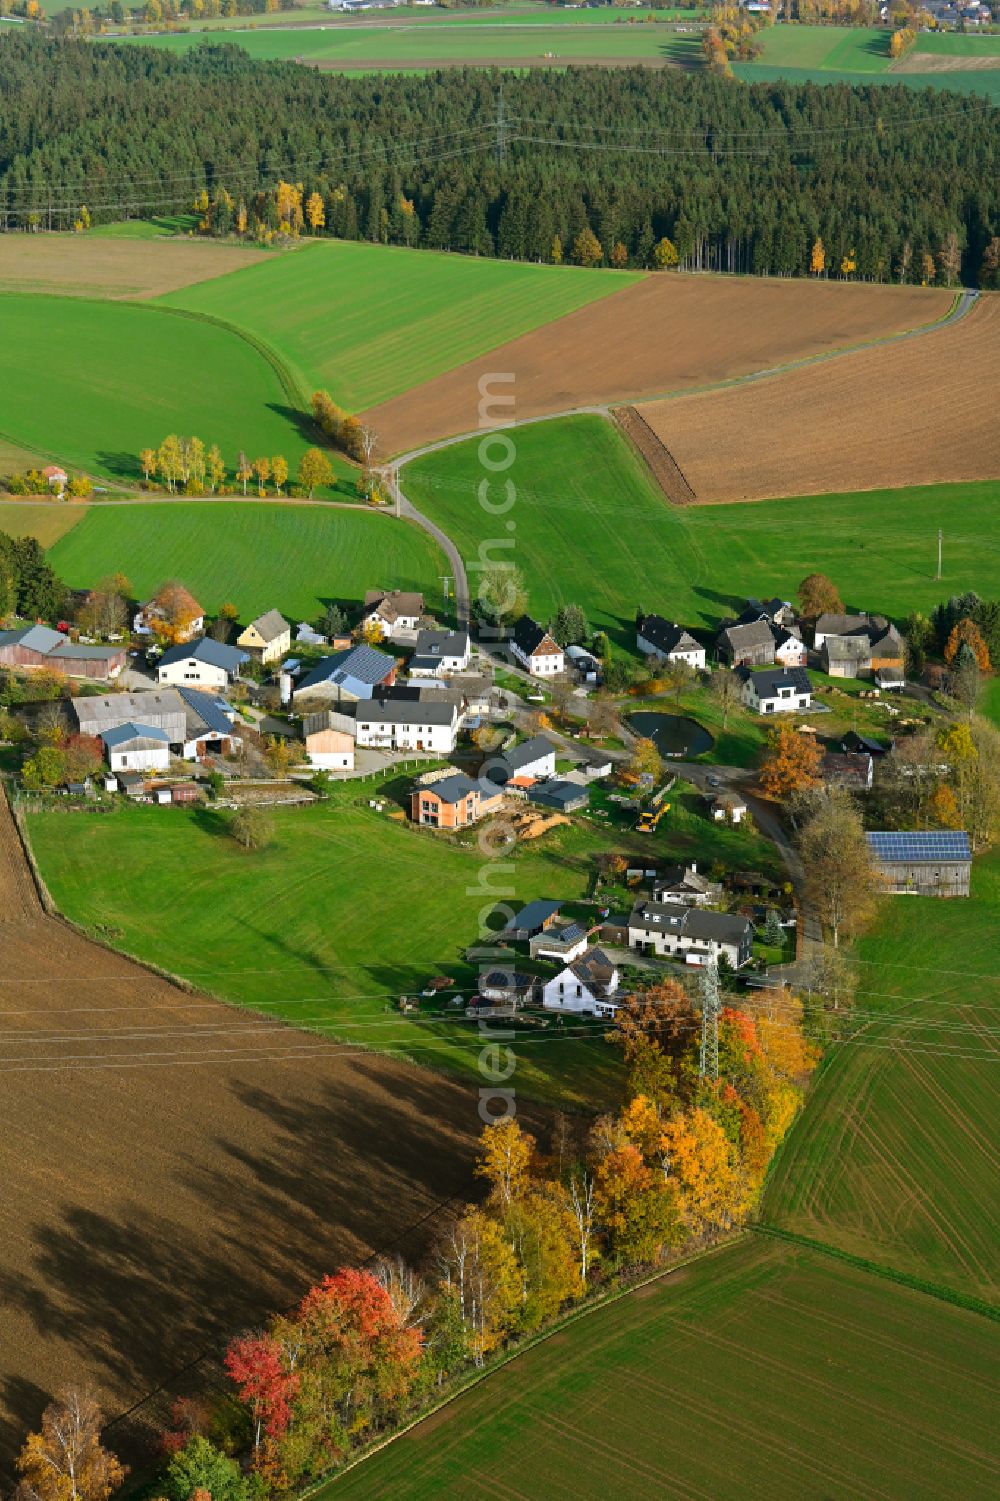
[{"x": 587, "y": 164}]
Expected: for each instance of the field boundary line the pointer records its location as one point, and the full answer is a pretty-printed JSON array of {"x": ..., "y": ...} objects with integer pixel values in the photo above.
[
  {"x": 876, "y": 1269},
  {"x": 571, "y": 1317}
]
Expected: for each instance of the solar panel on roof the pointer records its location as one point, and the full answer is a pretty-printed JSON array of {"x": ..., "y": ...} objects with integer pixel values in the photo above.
[{"x": 920, "y": 845}]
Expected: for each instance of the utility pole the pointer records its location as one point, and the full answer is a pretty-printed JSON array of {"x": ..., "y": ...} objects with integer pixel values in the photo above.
[
  {"x": 501, "y": 129},
  {"x": 711, "y": 1004},
  {"x": 940, "y": 535}
]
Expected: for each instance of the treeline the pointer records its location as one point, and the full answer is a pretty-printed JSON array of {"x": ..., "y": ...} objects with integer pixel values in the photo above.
[
  {"x": 734, "y": 177},
  {"x": 28, "y": 587}
]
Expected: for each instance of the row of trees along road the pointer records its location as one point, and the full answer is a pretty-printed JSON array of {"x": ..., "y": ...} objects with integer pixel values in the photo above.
[{"x": 736, "y": 177}]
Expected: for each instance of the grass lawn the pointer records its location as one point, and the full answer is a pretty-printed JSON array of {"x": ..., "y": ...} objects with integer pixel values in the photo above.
[
  {"x": 592, "y": 527},
  {"x": 127, "y": 375},
  {"x": 345, "y": 911},
  {"x": 260, "y": 555},
  {"x": 760, "y": 1371},
  {"x": 164, "y": 226},
  {"x": 369, "y": 321},
  {"x": 895, "y": 1157}
]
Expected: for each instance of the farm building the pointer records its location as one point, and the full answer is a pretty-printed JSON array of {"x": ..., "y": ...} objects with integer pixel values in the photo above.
[
  {"x": 587, "y": 986},
  {"x": 267, "y": 638},
  {"x": 165, "y": 710},
  {"x": 535, "y": 649},
  {"x": 776, "y": 690},
  {"x": 508, "y": 986},
  {"x": 563, "y": 797},
  {"x": 171, "y": 605},
  {"x": 393, "y": 611},
  {"x": 136, "y": 747},
  {"x": 534, "y": 758},
  {"x": 348, "y": 676},
  {"x": 747, "y": 645},
  {"x": 854, "y": 771},
  {"x": 585, "y": 663},
  {"x": 873, "y": 647},
  {"x": 34, "y": 648},
  {"x": 928, "y": 863},
  {"x": 667, "y": 642},
  {"x": 209, "y": 727},
  {"x": 667, "y": 928},
  {"x": 329, "y": 740},
  {"x": 837, "y": 625},
  {"x": 532, "y": 919},
  {"x": 209, "y": 663},
  {"x": 440, "y": 652},
  {"x": 453, "y": 802}
]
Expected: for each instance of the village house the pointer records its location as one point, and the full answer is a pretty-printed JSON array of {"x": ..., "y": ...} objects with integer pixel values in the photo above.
[
  {"x": 394, "y": 611},
  {"x": 267, "y": 638},
  {"x": 508, "y": 987},
  {"x": 838, "y": 625},
  {"x": 685, "y": 884},
  {"x": 776, "y": 690},
  {"x": 348, "y": 676},
  {"x": 453, "y": 802},
  {"x": 853, "y": 742},
  {"x": 852, "y": 771},
  {"x": 656, "y": 637},
  {"x": 438, "y": 653},
  {"x": 530, "y": 761},
  {"x": 727, "y": 807},
  {"x": 328, "y": 740},
  {"x": 211, "y": 664},
  {"x": 670, "y": 930},
  {"x": 789, "y": 649},
  {"x": 926, "y": 863},
  {"x": 174, "y": 605},
  {"x": 136, "y": 747},
  {"x": 588, "y": 986},
  {"x": 426, "y": 724},
  {"x": 36, "y": 648},
  {"x": 535, "y": 650},
  {"x": 748, "y": 645},
  {"x": 562, "y": 940},
  {"x": 55, "y": 477}
]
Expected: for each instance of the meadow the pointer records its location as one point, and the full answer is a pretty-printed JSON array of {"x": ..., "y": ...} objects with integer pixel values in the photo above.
[
  {"x": 760, "y": 1370},
  {"x": 592, "y": 527},
  {"x": 344, "y": 911},
  {"x": 859, "y": 55},
  {"x": 91, "y": 383},
  {"x": 294, "y": 558},
  {"x": 368, "y": 322},
  {"x": 40, "y": 519},
  {"x": 895, "y": 1158}
]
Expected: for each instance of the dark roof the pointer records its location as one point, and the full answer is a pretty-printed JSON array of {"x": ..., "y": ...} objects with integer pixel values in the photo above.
[
  {"x": 208, "y": 710},
  {"x": 748, "y": 637},
  {"x": 920, "y": 848},
  {"x": 329, "y": 719},
  {"x": 666, "y": 636},
  {"x": 841, "y": 625},
  {"x": 767, "y": 680},
  {"x": 594, "y": 968},
  {"x": 407, "y": 711},
  {"x": 560, "y": 795},
  {"x": 442, "y": 643},
  {"x": 694, "y": 922},
  {"x": 215, "y": 653},
  {"x": 534, "y": 916},
  {"x": 847, "y": 768},
  {"x": 457, "y": 787},
  {"x": 527, "y": 752},
  {"x": 361, "y": 663},
  {"x": 529, "y": 635},
  {"x": 565, "y": 933},
  {"x": 854, "y": 742}
]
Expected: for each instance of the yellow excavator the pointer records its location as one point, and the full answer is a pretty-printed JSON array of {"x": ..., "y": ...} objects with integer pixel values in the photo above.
[{"x": 651, "y": 815}]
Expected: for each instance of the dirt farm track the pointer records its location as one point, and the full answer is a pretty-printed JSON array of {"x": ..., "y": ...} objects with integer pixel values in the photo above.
[{"x": 173, "y": 1168}]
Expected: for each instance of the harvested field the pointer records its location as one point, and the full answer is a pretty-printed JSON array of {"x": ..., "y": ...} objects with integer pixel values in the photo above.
[
  {"x": 662, "y": 334},
  {"x": 918, "y": 412},
  {"x": 942, "y": 62},
  {"x": 173, "y": 1168},
  {"x": 76, "y": 266},
  {"x": 659, "y": 458}
]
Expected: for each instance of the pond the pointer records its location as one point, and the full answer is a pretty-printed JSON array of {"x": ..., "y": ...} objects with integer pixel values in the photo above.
[{"x": 672, "y": 734}]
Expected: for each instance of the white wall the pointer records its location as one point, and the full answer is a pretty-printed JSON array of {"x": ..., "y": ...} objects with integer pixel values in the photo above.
[
  {"x": 192, "y": 673},
  {"x": 435, "y": 737},
  {"x": 332, "y": 760},
  {"x": 157, "y": 759}
]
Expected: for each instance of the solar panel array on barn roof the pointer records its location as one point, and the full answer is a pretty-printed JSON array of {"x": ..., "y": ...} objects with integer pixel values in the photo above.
[{"x": 920, "y": 846}]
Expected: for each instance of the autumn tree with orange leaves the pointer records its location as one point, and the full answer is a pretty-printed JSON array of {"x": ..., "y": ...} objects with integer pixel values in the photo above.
[
  {"x": 968, "y": 633},
  {"x": 791, "y": 763},
  {"x": 65, "y": 1459}
]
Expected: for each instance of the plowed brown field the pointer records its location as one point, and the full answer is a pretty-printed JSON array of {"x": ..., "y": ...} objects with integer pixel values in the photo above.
[
  {"x": 75, "y": 266},
  {"x": 662, "y": 334},
  {"x": 919, "y": 412},
  {"x": 172, "y": 1168}
]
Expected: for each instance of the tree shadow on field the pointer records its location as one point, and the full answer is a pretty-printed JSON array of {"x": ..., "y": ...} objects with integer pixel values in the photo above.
[
  {"x": 732, "y": 604},
  {"x": 122, "y": 465},
  {"x": 211, "y": 820},
  {"x": 246, "y": 1192},
  {"x": 22, "y": 1403},
  {"x": 302, "y": 422}
]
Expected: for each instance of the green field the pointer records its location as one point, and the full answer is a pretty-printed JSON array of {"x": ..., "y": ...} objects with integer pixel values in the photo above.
[
  {"x": 857, "y": 55},
  {"x": 592, "y": 527},
  {"x": 261, "y": 556},
  {"x": 448, "y": 42},
  {"x": 760, "y": 1371},
  {"x": 91, "y": 383},
  {"x": 896, "y": 1157},
  {"x": 370, "y": 321},
  {"x": 840, "y": 49},
  {"x": 343, "y": 912}
]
